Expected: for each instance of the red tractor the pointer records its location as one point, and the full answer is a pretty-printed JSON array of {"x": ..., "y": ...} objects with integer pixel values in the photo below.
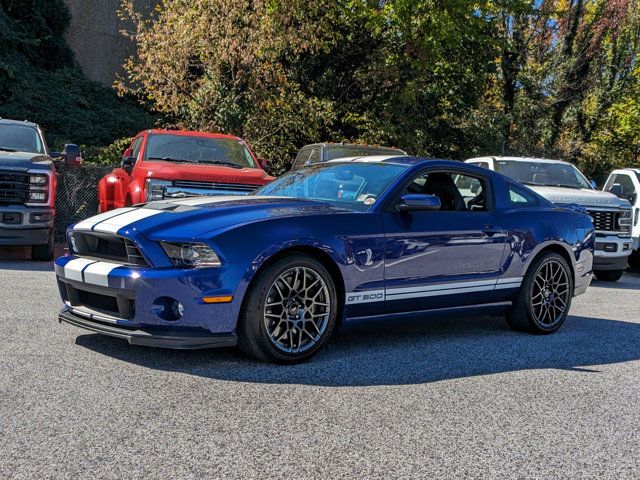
[{"x": 168, "y": 164}]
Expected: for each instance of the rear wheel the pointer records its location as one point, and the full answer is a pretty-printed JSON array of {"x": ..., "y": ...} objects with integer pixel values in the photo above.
[
  {"x": 544, "y": 299},
  {"x": 608, "y": 275},
  {"x": 290, "y": 311},
  {"x": 43, "y": 253}
]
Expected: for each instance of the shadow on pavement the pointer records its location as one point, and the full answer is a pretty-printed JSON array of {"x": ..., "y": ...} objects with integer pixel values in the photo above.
[
  {"x": 19, "y": 258},
  {"x": 414, "y": 352}
]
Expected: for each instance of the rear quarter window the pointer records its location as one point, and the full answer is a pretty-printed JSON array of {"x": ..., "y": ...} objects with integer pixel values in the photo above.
[{"x": 521, "y": 197}]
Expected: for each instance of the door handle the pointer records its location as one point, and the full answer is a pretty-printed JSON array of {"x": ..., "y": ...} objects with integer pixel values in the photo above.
[{"x": 490, "y": 230}]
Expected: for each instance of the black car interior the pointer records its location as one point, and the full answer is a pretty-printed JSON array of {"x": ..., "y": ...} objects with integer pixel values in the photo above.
[{"x": 443, "y": 186}]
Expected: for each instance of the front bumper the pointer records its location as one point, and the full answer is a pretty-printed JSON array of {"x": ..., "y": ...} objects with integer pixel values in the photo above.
[
  {"x": 21, "y": 225},
  {"x": 152, "y": 337},
  {"x": 611, "y": 252}
]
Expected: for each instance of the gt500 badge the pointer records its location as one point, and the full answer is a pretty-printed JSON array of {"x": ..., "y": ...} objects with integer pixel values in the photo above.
[{"x": 365, "y": 297}]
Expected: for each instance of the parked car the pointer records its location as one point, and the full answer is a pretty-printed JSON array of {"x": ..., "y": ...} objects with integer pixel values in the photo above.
[
  {"x": 176, "y": 164},
  {"x": 324, "y": 152},
  {"x": 277, "y": 271},
  {"x": 28, "y": 186},
  {"x": 625, "y": 183},
  {"x": 563, "y": 184}
]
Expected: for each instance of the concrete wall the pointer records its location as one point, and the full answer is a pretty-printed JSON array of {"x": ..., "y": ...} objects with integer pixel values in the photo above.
[{"x": 94, "y": 36}]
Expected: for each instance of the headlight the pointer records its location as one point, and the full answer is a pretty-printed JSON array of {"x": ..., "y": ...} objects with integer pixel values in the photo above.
[
  {"x": 155, "y": 188},
  {"x": 38, "y": 188},
  {"x": 624, "y": 221},
  {"x": 38, "y": 179},
  {"x": 191, "y": 255}
]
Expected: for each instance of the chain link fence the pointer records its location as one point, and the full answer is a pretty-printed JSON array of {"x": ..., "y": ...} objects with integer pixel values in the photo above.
[{"x": 76, "y": 195}]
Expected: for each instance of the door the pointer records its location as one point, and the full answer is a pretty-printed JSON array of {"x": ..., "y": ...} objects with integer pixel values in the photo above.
[{"x": 450, "y": 257}]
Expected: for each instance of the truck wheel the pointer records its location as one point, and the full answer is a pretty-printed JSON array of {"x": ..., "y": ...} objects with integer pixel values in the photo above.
[
  {"x": 608, "y": 275},
  {"x": 544, "y": 299},
  {"x": 634, "y": 260},
  {"x": 290, "y": 311},
  {"x": 43, "y": 253}
]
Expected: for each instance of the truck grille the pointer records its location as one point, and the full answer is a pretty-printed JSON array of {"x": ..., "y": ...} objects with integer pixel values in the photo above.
[
  {"x": 605, "y": 220},
  {"x": 108, "y": 247},
  {"x": 14, "y": 187},
  {"x": 231, "y": 187}
]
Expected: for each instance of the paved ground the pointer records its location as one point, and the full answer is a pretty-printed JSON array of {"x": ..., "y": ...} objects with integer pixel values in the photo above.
[{"x": 449, "y": 398}]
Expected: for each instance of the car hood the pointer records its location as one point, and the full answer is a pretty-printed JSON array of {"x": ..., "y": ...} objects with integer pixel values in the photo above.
[
  {"x": 584, "y": 197},
  {"x": 205, "y": 173},
  {"x": 25, "y": 161},
  {"x": 201, "y": 217}
]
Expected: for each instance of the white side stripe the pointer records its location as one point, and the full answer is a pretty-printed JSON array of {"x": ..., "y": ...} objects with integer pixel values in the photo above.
[
  {"x": 114, "y": 224},
  {"x": 91, "y": 221},
  {"x": 73, "y": 269},
  {"x": 432, "y": 290},
  {"x": 98, "y": 273}
]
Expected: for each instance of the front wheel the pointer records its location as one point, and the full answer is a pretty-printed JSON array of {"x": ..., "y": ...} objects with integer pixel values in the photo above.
[
  {"x": 43, "y": 253},
  {"x": 544, "y": 299},
  {"x": 608, "y": 275},
  {"x": 290, "y": 311}
]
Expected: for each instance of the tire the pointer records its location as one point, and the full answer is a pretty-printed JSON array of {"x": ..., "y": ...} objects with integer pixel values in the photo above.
[
  {"x": 608, "y": 275},
  {"x": 634, "y": 260},
  {"x": 43, "y": 253},
  {"x": 543, "y": 303},
  {"x": 277, "y": 322}
]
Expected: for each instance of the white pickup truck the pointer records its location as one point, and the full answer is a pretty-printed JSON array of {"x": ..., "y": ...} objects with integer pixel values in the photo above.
[
  {"x": 563, "y": 184},
  {"x": 625, "y": 183}
]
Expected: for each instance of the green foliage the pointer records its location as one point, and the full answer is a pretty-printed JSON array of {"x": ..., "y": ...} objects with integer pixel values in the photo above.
[
  {"x": 40, "y": 82},
  {"x": 109, "y": 155}
]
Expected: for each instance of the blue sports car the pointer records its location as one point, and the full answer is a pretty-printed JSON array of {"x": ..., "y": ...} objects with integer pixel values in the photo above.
[{"x": 361, "y": 239}]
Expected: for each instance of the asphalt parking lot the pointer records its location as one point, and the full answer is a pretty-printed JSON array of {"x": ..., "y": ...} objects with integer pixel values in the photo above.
[{"x": 444, "y": 398}]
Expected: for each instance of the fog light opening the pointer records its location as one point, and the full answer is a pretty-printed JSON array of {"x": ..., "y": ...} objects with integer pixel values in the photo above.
[{"x": 168, "y": 309}]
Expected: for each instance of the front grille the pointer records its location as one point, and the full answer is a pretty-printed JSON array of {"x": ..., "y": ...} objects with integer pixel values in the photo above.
[
  {"x": 114, "y": 303},
  {"x": 605, "y": 220},
  {"x": 14, "y": 187},
  {"x": 231, "y": 187},
  {"x": 108, "y": 247}
]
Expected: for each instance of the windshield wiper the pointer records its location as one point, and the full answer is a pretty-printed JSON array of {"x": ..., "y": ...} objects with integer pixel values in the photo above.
[
  {"x": 221, "y": 162},
  {"x": 5, "y": 149},
  {"x": 559, "y": 185},
  {"x": 170, "y": 159}
]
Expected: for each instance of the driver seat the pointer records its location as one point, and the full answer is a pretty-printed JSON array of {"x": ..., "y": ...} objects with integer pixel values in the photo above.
[{"x": 441, "y": 185}]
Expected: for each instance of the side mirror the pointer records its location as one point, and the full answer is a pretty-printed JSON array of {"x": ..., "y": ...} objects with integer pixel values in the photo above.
[
  {"x": 616, "y": 189},
  {"x": 416, "y": 202},
  {"x": 593, "y": 183},
  {"x": 128, "y": 163},
  {"x": 263, "y": 163},
  {"x": 70, "y": 155}
]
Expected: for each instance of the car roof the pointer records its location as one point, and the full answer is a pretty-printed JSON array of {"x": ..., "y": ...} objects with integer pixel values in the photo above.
[
  {"x": 8, "y": 121},
  {"x": 628, "y": 169},
  {"x": 355, "y": 145},
  {"x": 402, "y": 160},
  {"x": 516, "y": 159},
  {"x": 191, "y": 133}
]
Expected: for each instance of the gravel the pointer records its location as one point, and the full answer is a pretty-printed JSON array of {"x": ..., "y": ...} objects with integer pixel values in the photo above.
[{"x": 440, "y": 398}]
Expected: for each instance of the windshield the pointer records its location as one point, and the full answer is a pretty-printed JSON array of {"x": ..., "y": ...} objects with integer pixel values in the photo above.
[
  {"x": 542, "y": 173},
  {"x": 342, "y": 151},
  {"x": 205, "y": 150},
  {"x": 351, "y": 185},
  {"x": 20, "y": 138}
]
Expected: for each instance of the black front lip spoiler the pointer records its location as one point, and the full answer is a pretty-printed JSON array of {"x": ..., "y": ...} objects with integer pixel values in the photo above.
[{"x": 165, "y": 338}]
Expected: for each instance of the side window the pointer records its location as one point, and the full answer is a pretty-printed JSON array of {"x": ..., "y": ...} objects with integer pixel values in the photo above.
[
  {"x": 520, "y": 197},
  {"x": 457, "y": 192},
  {"x": 301, "y": 159},
  {"x": 135, "y": 148},
  {"x": 315, "y": 156},
  {"x": 626, "y": 183}
]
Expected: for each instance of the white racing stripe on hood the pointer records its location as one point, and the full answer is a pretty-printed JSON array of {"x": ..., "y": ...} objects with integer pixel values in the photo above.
[
  {"x": 90, "y": 222},
  {"x": 112, "y": 225}
]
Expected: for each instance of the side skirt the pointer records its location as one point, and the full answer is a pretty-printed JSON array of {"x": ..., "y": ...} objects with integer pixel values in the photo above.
[{"x": 478, "y": 309}]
